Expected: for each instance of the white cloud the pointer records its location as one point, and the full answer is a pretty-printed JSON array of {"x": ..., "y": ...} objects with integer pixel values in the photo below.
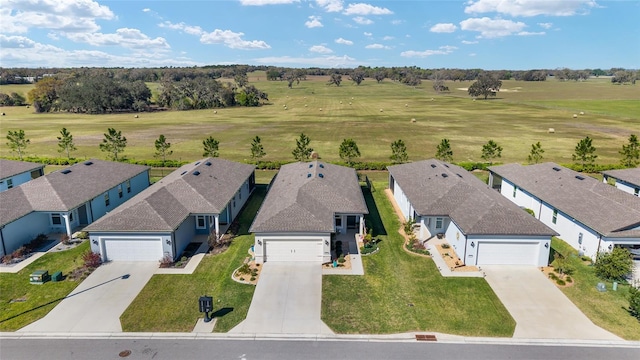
[
  {"x": 366, "y": 9},
  {"x": 146, "y": 10},
  {"x": 472, "y": 54},
  {"x": 531, "y": 7},
  {"x": 343, "y": 41},
  {"x": 545, "y": 25},
  {"x": 492, "y": 28},
  {"x": 442, "y": 50},
  {"x": 367, "y": 34},
  {"x": 467, "y": 42},
  {"x": 28, "y": 53},
  {"x": 529, "y": 33},
  {"x": 125, "y": 37},
  {"x": 266, "y": 2},
  {"x": 189, "y": 29},
  {"x": 313, "y": 22},
  {"x": 331, "y": 5},
  {"x": 320, "y": 49},
  {"x": 376, "y": 46},
  {"x": 397, "y": 22},
  {"x": 232, "y": 40},
  {"x": 18, "y": 16},
  {"x": 443, "y": 28},
  {"x": 387, "y": 38},
  {"x": 323, "y": 61},
  {"x": 362, "y": 20}
]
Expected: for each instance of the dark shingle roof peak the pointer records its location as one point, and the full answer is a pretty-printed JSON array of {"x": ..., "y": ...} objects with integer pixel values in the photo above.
[{"x": 9, "y": 168}]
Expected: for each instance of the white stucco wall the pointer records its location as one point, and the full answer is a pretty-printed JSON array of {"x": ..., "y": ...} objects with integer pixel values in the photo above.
[
  {"x": 260, "y": 238},
  {"x": 183, "y": 236},
  {"x": 23, "y": 230},
  {"x": 402, "y": 201},
  {"x": 456, "y": 239},
  {"x": 626, "y": 187}
]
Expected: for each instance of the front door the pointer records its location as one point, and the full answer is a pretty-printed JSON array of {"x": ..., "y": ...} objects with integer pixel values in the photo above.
[
  {"x": 351, "y": 222},
  {"x": 82, "y": 215}
]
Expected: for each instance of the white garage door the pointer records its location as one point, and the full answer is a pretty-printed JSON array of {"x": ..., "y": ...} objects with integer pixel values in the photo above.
[
  {"x": 507, "y": 253},
  {"x": 133, "y": 249},
  {"x": 293, "y": 250}
]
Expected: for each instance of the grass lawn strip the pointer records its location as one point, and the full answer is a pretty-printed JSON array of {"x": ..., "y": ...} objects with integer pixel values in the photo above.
[
  {"x": 401, "y": 292},
  {"x": 169, "y": 303},
  {"x": 609, "y": 310},
  {"x": 39, "y": 299}
]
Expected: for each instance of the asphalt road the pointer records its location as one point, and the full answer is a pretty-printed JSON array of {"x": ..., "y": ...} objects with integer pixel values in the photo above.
[{"x": 158, "y": 349}]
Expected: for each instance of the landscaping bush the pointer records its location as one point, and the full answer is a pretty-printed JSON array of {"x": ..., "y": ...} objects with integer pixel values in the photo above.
[
  {"x": 91, "y": 259},
  {"x": 561, "y": 282},
  {"x": 368, "y": 249},
  {"x": 341, "y": 259},
  {"x": 568, "y": 279},
  {"x": 65, "y": 239},
  {"x": 563, "y": 265},
  {"x": 166, "y": 261},
  {"x": 244, "y": 269},
  {"x": 408, "y": 226},
  {"x": 614, "y": 265},
  {"x": 634, "y": 301},
  {"x": 253, "y": 278},
  {"x": 530, "y": 211},
  {"x": 446, "y": 246},
  {"x": 83, "y": 235}
]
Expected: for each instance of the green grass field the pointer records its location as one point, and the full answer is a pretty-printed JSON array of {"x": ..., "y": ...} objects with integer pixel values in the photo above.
[{"x": 520, "y": 116}]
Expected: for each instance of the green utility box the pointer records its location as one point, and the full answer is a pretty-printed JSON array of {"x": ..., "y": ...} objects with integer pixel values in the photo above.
[
  {"x": 57, "y": 276},
  {"x": 39, "y": 277}
]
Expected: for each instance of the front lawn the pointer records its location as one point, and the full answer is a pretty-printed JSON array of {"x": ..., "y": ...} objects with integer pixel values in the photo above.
[
  {"x": 169, "y": 303},
  {"x": 402, "y": 292},
  {"x": 609, "y": 310},
  {"x": 35, "y": 301}
]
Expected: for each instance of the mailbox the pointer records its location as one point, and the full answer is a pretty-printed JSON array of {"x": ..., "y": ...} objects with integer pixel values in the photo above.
[
  {"x": 39, "y": 277},
  {"x": 206, "y": 306}
]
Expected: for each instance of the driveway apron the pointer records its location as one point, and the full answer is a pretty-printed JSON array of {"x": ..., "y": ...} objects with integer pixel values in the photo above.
[
  {"x": 540, "y": 309},
  {"x": 287, "y": 300},
  {"x": 97, "y": 303}
]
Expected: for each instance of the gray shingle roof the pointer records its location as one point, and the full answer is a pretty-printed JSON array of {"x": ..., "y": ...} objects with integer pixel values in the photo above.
[
  {"x": 305, "y": 196},
  {"x": 9, "y": 168},
  {"x": 436, "y": 188},
  {"x": 66, "y": 189},
  {"x": 630, "y": 176},
  {"x": 164, "y": 205},
  {"x": 597, "y": 205}
]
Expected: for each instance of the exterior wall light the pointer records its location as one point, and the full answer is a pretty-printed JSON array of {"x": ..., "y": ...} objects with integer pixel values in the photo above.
[
  {"x": 94, "y": 241},
  {"x": 168, "y": 242},
  {"x": 326, "y": 242},
  {"x": 259, "y": 242},
  {"x": 546, "y": 245},
  {"x": 610, "y": 246},
  {"x": 473, "y": 244}
]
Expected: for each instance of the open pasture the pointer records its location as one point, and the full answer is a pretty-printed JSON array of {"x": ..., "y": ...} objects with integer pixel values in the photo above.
[{"x": 373, "y": 114}]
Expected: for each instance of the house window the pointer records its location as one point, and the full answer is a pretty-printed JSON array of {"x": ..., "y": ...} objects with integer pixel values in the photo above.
[
  {"x": 9, "y": 183},
  {"x": 240, "y": 195},
  {"x": 338, "y": 221},
  {"x": 128, "y": 186},
  {"x": 119, "y": 190},
  {"x": 200, "y": 222},
  {"x": 234, "y": 202},
  {"x": 515, "y": 190},
  {"x": 439, "y": 223},
  {"x": 106, "y": 199},
  {"x": 71, "y": 216},
  {"x": 554, "y": 217},
  {"x": 56, "y": 219}
]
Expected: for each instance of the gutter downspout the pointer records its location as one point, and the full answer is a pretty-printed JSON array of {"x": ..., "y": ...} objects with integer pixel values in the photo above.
[{"x": 4, "y": 249}]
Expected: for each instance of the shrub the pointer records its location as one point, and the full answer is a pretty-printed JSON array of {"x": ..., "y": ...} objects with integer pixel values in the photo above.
[
  {"x": 531, "y": 212},
  {"x": 184, "y": 259},
  {"x": 20, "y": 252},
  {"x": 446, "y": 246},
  {"x": 341, "y": 259},
  {"x": 563, "y": 265},
  {"x": 368, "y": 249},
  {"x": 166, "y": 261},
  {"x": 634, "y": 301},
  {"x": 560, "y": 282},
  {"x": 253, "y": 278},
  {"x": 65, "y": 239},
  {"x": 408, "y": 226},
  {"x": 553, "y": 276},
  {"x": 83, "y": 235},
  {"x": 244, "y": 269},
  {"x": 568, "y": 279},
  {"x": 91, "y": 259},
  {"x": 6, "y": 259},
  {"x": 614, "y": 265}
]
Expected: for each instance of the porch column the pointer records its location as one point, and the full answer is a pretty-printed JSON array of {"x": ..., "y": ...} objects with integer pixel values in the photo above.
[
  {"x": 362, "y": 227},
  {"x": 67, "y": 225},
  {"x": 216, "y": 218}
]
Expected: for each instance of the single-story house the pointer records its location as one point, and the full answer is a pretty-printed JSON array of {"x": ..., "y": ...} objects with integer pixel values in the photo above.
[
  {"x": 481, "y": 226},
  {"x": 14, "y": 173},
  {"x": 627, "y": 180},
  {"x": 307, "y": 203},
  {"x": 66, "y": 199},
  {"x": 197, "y": 200},
  {"x": 589, "y": 215}
]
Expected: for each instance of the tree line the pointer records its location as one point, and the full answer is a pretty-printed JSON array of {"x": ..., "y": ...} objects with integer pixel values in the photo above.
[{"x": 114, "y": 143}]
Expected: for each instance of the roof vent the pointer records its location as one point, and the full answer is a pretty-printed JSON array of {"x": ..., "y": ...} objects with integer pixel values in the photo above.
[
  {"x": 184, "y": 172},
  {"x": 433, "y": 166},
  {"x": 88, "y": 163},
  {"x": 459, "y": 175},
  {"x": 321, "y": 175},
  {"x": 196, "y": 173},
  {"x": 310, "y": 166},
  {"x": 445, "y": 165},
  {"x": 321, "y": 166},
  {"x": 66, "y": 171},
  {"x": 208, "y": 163},
  {"x": 556, "y": 168},
  {"x": 198, "y": 163},
  {"x": 579, "y": 177},
  {"x": 444, "y": 175},
  {"x": 308, "y": 175}
]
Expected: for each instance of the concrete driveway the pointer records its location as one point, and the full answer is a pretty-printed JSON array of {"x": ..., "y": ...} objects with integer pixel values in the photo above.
[
  {"x": 540, "y": 309},
  {"x": 287, "y": 300},
  {"x": 97, "y": 303}
]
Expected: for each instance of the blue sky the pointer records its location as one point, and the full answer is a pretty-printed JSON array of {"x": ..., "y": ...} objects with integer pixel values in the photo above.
[{"x": 488, "y": 34}]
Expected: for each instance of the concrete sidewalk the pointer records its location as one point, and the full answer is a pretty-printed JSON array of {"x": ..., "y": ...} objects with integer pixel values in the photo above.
[{"x": 97, "y": 303}]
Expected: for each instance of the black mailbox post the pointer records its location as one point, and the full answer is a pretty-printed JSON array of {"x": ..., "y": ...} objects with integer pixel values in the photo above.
[{"x": 206, "y": 306}]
